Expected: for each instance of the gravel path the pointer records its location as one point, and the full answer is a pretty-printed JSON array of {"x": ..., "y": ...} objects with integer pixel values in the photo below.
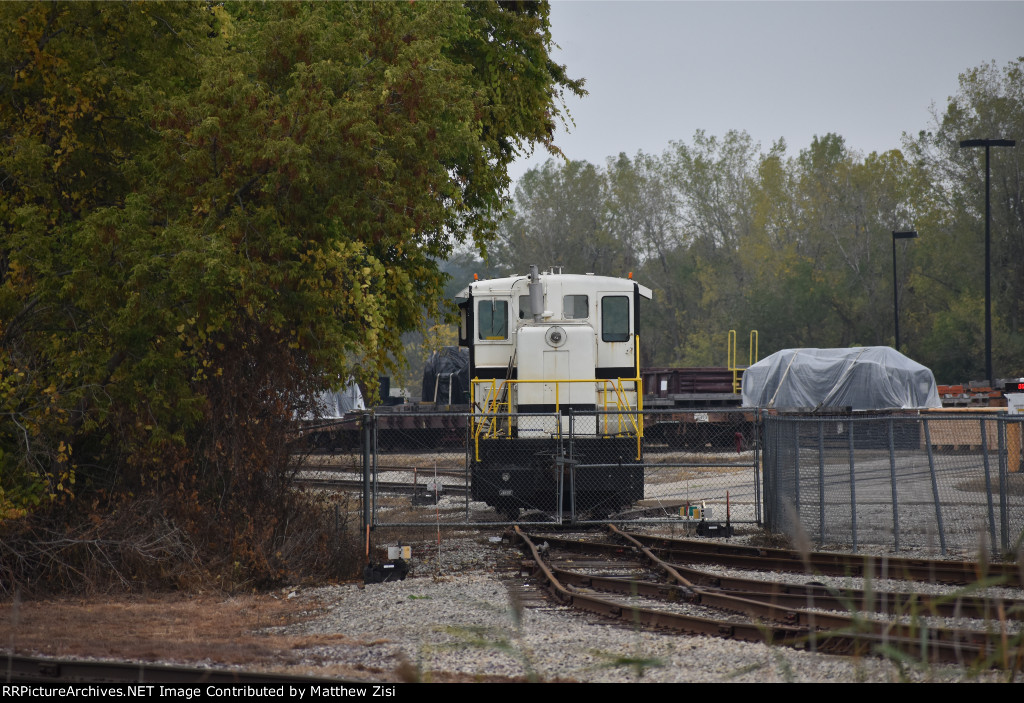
[{"x": 459, "y": 621}]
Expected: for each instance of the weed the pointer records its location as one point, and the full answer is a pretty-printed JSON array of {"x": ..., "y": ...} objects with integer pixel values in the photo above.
[
  {"x": 744, "y": 670},
  {"x": 637, "y": 665},
  {"x": 785, "y": 668},
  {"x": 496, "y": 638},
  {"x": 407, "y": 672},
  {"x": 492, "y": 638},
  {"x": 1005, "y": 650}
]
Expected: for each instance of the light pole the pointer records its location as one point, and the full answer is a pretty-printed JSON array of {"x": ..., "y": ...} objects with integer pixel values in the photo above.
[
  {"x": 895, "y": 295},
  {"x": 987, "y": 143}
]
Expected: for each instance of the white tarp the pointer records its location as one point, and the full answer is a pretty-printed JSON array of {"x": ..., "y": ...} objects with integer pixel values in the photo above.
[
  {"x": 334, "y": 404},
  {"x": 861, "y": 378}
]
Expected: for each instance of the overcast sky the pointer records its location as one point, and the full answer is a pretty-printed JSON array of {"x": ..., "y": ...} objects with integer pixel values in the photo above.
[{"x": 869, "y": 71}]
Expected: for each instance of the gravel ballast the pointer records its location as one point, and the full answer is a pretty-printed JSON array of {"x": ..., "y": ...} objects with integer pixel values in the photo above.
[{"x": 457, "y": 620}]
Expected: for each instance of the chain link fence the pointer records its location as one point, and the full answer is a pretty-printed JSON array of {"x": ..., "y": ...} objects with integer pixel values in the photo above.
[
  {"x": 426, "y": 468},
  {"x": 701, "y": 463},
  {"x": 934, "y": 481}
]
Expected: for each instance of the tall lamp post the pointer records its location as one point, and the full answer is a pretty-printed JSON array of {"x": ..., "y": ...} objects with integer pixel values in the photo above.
[
  {"x": 987, "y": 143},
  {"x": 895, "y": 295}
]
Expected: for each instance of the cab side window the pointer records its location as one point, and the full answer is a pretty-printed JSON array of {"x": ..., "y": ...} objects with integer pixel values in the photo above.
[
  {"x": 615, "y": 318},
  {"x": 492, "y": 319},
  {"x": 575, "y": 307},
  {"x": 525, "y": 312}
]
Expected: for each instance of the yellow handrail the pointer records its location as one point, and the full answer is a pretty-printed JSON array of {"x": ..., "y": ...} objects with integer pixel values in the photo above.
[
  {"x": 732, "y": 361},
  {"x": 493, "y": 405}
]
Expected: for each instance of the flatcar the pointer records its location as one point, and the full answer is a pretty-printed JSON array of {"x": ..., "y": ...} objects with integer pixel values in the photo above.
[{"x": 555, "y": 390}]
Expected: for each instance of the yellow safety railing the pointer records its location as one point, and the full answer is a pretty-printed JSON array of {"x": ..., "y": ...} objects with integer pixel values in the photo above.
[
  {"x": 498, "y": 401},
  {"x": 732, "y": 359}
]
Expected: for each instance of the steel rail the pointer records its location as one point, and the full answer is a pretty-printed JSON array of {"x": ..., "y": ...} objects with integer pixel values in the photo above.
[
  {"x": 383, "y": 486},
  {"x": 883, "y": 602},
  {"x": 798, "y": 628},
  {"x": 947, "y": 643},
  {"x": 750, "y": 632},
  {"x": 844, "y": 599},
  {"x": 834, "y": 563},
  {"x": 337, "y": 467},
  {"x": 816, "y": 597}
]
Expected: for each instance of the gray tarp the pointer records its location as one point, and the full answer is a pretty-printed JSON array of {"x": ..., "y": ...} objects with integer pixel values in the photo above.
[
  {"x": 861, "y": 378},
  {"x": 446, "y": 377},
  {"x": 335, "y": 404}
]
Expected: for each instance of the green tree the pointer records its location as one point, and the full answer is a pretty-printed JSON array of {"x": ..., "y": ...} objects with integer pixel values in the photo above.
[
  {"x": 988, "y": 104},
  {"x": 561, "y": 219},
  {"x": 799, "y": 247},
  {"x": 77, "y": 80},
  {"x": 210, "y": 212},
  {"x": 644, "y": 214},
  {"x": 713, "y": 180}
]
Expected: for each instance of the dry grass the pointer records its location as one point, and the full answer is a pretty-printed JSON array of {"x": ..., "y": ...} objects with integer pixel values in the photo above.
[
  {"x": 657, "y": 476},
  {"x": 161, "y": 628},
  {"x": 425, "y": 461},
  {"x": 245, "y": 631},
  {"x": 673, "y": 457},
  {"x": 180, "y": 629},
  {"x": 1014, "y": 484}
]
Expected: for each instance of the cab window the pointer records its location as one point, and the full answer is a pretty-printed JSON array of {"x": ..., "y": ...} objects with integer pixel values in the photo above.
[
  {"x": 575, "y": 307},
  {"x": 492, "y": 319},
  {"x": 615, "y": 318},
  {"x": 525, "y": 312}
]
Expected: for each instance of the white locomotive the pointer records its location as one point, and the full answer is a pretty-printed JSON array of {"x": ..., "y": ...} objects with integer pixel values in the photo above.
[{"x": 555, "y": 390}]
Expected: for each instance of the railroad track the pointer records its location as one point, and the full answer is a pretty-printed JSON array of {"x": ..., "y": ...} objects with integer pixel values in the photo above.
[
  {"x": 626, "y": 579},
  {"x": 831, "y": 563},
  {"x": 340, "y": 467},
  {"x": 343, "y": 484}
]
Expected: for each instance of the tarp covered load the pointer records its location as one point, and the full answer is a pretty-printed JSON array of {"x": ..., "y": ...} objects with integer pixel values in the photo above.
[
  {"x": 335, "y": 404},
  {"x": 446, "y": 377},
  {"x": 862, "y": 378}
]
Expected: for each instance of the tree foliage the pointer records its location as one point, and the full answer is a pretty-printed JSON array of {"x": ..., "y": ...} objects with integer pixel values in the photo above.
[
  {"x": 799, "y": 247},
  {"x": 211, "y": 211}
]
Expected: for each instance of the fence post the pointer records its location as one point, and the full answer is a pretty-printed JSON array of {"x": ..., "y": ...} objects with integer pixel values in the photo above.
[
  {"x": 367, "y": 511},
  {"x": 892, "y": 481},
  {"x": 758, "y": 427},
  {"x": 572, "y": 468},
  {"x": 853, "y": 485},
  {"x": 374, "y": 468},
  {"x": 770, "y": 458},
  {"x": 821, "y": 482},
  {"x": 988, "y": 488},
  {"x": 935, "y": 487},
  {"x": 1004, "y": 523},
  {"x": 467, "y": 478},
  {"x": 796, "y": 469},
  {"x": 772, "y": 482}
]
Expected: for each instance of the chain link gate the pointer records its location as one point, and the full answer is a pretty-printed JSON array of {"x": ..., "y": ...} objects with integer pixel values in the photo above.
[
  {"x": 703, "y": 460},
  {"x": 517, "y": 465}
]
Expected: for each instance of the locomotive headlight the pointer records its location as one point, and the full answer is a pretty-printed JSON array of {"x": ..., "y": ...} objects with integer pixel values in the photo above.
[
  {"x": 505, "y": 477},
  {"x": 555, "y": 337}
]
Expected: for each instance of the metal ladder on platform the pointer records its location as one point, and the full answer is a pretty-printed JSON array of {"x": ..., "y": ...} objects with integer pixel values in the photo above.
[{"x": 737, "y": 371}]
